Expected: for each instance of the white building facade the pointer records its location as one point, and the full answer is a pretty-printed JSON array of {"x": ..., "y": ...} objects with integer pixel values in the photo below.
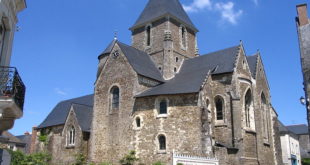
[
  {"x": 290, "y": 147},
  {"x": 12, "y": 89}
]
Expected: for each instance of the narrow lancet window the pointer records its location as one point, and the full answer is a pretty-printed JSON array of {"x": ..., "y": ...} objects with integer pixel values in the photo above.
[
  {"x": 163, "y": 107},
  {"x": 162, "y": 142},
  {"x": 115, "y": 97},
  {"x": 148, "y": 35},
  {"x": 219, "y": 104},
  {"x": 247, "y": 106}
]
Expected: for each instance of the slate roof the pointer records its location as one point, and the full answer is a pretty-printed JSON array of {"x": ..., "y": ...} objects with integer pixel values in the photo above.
[
  {"x": 194, "y": 71},
  {"x": 157, "y": 8},
  {"x": 11, "y": 138},
  {"x": 26, "y": 139},
  {"x": 84, "y": 116},
  {"x": 300, "y": 129},
  {"x": 282, "y": 128},
  {"x": 108, "y": 50},
  {"x": 252, "y": 61},
  {"x": 60, "y": 112},
  {"x": 141, "y": 62}
]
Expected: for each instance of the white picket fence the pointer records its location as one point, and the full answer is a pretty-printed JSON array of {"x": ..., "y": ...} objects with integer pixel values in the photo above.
[{"x": 193, "y": 160}]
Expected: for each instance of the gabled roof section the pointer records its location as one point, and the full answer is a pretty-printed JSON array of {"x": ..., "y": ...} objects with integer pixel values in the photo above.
[
  {"x": 194, "y": 71},
  {"x": 84, "y": 116},
  {"x": 158, "y": 8},
  {"x": 59, "y": 114},
  {"x": 108, "y": 50},
  {"x": 141, "y": 62},
  {"x": 300, "y": 129},
  {"x": 11, "y": 138},
  {"x": 252, "y": 61},
  {"x": 282, "y": 128}
]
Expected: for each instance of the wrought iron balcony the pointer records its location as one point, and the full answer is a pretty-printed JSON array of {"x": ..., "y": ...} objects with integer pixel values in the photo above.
[{"x": 12, "y": 86}]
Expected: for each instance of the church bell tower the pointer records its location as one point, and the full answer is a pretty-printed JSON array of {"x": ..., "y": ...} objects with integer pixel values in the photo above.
[{"x": 167, "y": 34}]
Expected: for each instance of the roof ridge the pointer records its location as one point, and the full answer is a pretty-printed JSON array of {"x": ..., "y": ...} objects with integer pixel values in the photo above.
[
  {"x": 219, "y": 50},
  {"x": 74, "y": 98}
]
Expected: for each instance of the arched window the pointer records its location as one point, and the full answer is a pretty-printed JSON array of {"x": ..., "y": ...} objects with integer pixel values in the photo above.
[
  {"x": 115, "y": 97},
  {"x": 163, "y": 107},
  {"x": 162, "y": 142},
  {"x": 247, "y": 106},
  {"x": 148, "y": 35},
  {"x": 71, "y": 136},
  {"x": 138, "y": 122},
  {"x": 219, "y": 105},
  {"x": 264, "y": 115}
]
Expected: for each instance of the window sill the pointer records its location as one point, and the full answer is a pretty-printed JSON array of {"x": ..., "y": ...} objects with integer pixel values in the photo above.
[
  {"x": 249, "y": 130},
  {"x": 162, "y": 152},
  {"x": 162, "y": 116},
  {"x": 70, "y": 146},
  {"x": 220, "y": 123}
]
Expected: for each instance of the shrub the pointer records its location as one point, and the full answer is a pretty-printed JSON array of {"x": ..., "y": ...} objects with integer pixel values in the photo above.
[
  {"x": 19, "y": 158},
  {"x": 80, "y": 159},
  {"x": 158, "y": 163},
  {"x": 129, "y": 159},
  {"x": 105, "y": 163},
  {"x": 305, "y": 161},
  {"x": 180, "y": 164}
]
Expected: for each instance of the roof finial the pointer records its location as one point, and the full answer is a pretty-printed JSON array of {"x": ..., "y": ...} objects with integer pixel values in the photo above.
[{"x": 115, "y": 34}]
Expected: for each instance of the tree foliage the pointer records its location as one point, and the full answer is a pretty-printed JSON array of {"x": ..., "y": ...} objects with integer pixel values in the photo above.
[
  {"x": 19, "y": 158},
  {"x": 158, "y": 163},
  {"x": 129, "y": 159}
]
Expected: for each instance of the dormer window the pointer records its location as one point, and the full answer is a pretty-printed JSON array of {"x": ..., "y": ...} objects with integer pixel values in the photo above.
[
  {"x": 148, "y": 35},
  {"x": 183, "y": 37}
]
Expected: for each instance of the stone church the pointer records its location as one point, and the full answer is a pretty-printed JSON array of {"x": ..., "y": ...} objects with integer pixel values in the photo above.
[{"x": 159, "y": 96}]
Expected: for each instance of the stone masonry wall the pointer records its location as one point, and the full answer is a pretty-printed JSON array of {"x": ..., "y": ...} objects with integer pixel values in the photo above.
[
  {"x": 181, "y": 127},
  {"x": 111, "y": 136}
]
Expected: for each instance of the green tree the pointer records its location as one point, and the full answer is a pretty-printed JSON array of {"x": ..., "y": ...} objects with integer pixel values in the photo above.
[
  {"x": 19, "y": 158},
  {"x": 129, "y": 159}
]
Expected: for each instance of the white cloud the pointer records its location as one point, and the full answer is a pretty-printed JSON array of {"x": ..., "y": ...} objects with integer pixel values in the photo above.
[
  {"x": 60, "y": 92},
  {"x": 228, "y": 12},
  {"x": 198, "y": 5}
]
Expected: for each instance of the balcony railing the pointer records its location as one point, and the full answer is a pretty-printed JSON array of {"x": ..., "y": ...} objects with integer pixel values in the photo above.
[{"x": 12, "y": 86}]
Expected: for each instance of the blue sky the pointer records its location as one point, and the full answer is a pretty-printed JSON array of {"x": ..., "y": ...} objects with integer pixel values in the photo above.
[{"x": 58, "y": 43}]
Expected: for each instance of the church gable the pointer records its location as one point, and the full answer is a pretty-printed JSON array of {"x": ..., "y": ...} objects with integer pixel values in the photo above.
[
  {"x": 139, "y": 61},
  {"x": 242, "y": 67}
]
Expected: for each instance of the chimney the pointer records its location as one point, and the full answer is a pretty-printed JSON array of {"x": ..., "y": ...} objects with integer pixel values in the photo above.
[
  {"x": 26, "y": 133},
  {"x": 33, "y": 139},
  {"x": 302, "y": 14}
]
